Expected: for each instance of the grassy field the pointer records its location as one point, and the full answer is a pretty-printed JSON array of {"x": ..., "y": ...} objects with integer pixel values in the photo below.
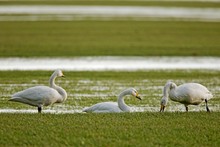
[
  {"x": 128, "y": 129},
  {"x": 135, "y": 129},
  {"x": 109, "y": 38}
]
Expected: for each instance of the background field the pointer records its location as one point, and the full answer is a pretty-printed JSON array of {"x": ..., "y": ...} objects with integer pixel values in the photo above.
[{"x": 110, "y": 38}]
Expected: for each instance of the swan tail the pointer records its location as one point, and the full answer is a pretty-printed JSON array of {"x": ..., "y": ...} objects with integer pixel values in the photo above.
[
  {"x": 22, "y": 100},
  {"x": 89, "y": 109},
  {"x": 15, "y": 99},
  {"x": 86, "y": 110}
]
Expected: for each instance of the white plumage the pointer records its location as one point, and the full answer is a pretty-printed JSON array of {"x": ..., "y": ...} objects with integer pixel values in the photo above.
[
  {"x": 119, "y": 106},
  {"x": 187, "y": 94},
  {"x": 42, "y": 95}
]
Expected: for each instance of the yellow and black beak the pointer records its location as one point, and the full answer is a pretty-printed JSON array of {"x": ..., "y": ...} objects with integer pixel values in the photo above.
[
  {"x": 138, "y": 97},
  {"x": 162, "y": 107},
  {"x": 63, "y": 76}
]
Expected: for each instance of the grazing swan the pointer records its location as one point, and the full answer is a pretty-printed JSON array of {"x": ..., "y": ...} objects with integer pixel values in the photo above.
[
  {"x": 187, "y": 94},
  {"x": 119, "y": 106},
  {"x": 42, "y": 95}
]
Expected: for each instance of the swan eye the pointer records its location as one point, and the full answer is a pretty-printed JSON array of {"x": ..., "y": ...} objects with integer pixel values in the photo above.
[
  {"x": 134, "y": 93},
  {"x": 60, "y": 74}
]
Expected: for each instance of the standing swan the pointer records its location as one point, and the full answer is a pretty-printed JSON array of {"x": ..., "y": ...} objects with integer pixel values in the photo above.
[
  {"x": 187, "y": 94},
  {"x": 42, "y": 95},
  {"x": 119, "y": 106}
]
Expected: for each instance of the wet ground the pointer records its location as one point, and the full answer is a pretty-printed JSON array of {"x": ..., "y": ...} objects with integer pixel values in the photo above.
[
  {"x": 110, "y": 63},
  {"x": 68, "y": 13},
  {"x": 84, "y": 93}
]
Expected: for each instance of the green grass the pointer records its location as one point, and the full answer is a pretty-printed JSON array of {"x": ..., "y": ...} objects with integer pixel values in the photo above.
[
  {"x": 109, "y": 38},
  {"x": 127, "y": 129}
]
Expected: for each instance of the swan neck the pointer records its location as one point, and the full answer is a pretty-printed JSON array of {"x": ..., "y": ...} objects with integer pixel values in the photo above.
[
  {"x": 169, "y": 90},
  {"x": 52, "y": 81},
  {"x": 166, "y": 91},
  {"x": 60, "y": 90},
  {"x": 121, "y": 103},
  {"x": 63, "y": 94}
]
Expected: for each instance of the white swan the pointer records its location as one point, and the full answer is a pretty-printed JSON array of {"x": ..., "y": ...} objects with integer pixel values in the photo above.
[
  {"x": 187, "y": 94},
  {"x": 42, "y": 95},
  {"x": 119, "y": 106}
]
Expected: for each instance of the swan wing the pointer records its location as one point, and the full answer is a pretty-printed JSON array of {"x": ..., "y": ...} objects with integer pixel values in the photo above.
[
  {"x": 192, "y": 93},
  {"x": 103, "y": 107},
  {"x": 39, "y": 95}
]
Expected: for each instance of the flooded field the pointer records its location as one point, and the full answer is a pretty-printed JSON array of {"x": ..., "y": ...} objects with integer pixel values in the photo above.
[
  {"x": 103, "y": 48},
  {"x": 68, "y": 13},
  {"x": 87, "y": 89},
  {"x": 84, "y": 92}
]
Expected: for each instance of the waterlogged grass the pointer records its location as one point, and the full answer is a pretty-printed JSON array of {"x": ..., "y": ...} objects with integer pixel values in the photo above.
[
  {"x": 127, "y": 129},
  {"x": 109, "y": 38},
  {"x": 87, "y": 88}
]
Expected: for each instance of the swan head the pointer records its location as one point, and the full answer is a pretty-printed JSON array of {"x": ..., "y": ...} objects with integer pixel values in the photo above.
[
  {"x": 163, "y": 103},
  {"x": 168, "y": 87},
  {"x": 135, "y": 93},
  {"x": 59, "y": 73}
]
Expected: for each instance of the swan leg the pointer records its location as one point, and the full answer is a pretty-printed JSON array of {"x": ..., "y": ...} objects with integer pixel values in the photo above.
[
  {"x": 39, "y": 109},
  {"x": 162, "y": 108},
  {"x": 186, "y": 108},
  {"x": 207, "y": 108}
]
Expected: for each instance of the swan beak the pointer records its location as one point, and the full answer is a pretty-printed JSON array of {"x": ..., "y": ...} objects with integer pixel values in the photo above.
[
  {"x": 63, "y": 76},
  {"x": 162, "y": 107},
  {"x": 138, "y": 97}
]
